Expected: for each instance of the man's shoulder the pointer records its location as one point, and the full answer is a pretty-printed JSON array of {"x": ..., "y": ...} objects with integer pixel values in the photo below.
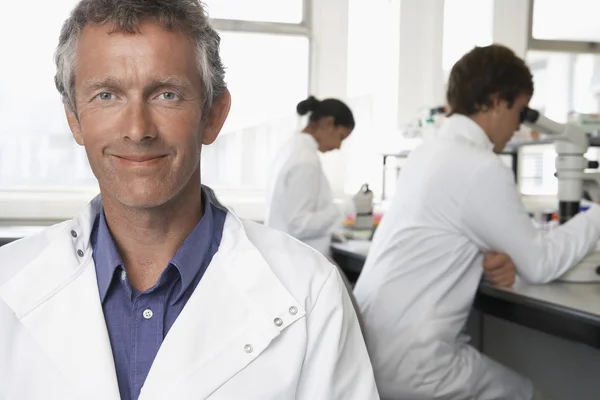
[
  {"x": 16, "y": 255},
  {"x": 300, "y": 268},
  {"x": 452, "y": 148},
  {"x": 449, "y": 161},
  {"x": 279, "y": 248}
]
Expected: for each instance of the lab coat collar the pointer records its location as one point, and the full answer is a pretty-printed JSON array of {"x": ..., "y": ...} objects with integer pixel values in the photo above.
[
  {"x": 309, "y": 140},
  {"x": 461, "y": 127},
  {"x": 238, "y": 308}
]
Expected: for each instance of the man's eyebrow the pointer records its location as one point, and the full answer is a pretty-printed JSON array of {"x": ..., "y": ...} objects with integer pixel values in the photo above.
[
  {"x": 100, "y": 83},
  {"x": 170, "y": 81},
  {"x": 112, "y": 82}
]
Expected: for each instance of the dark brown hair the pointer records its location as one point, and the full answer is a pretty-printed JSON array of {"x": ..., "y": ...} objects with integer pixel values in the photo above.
[{"x": 485, "y": 71}]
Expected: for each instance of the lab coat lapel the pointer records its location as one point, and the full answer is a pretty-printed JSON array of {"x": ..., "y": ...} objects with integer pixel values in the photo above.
[
  {"x": 56, "y": 298},
  {"x": 238, "y": 308}
]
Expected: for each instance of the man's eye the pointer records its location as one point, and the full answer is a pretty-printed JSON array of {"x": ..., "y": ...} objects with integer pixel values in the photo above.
[
  {"x": 168, "y": 96},
  {"x": 105, "y": 96}
]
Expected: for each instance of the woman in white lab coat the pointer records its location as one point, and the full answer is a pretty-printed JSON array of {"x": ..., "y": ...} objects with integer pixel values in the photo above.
[{"x": 299, "y": 196}]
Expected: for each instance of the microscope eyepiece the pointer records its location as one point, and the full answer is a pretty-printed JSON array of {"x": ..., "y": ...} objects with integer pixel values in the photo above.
[{"x": 529, "y": 115}]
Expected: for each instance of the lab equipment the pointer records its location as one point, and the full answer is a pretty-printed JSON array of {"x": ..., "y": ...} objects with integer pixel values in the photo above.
[
  {"x": 589, "y": 122},
  {"x": 571, "y": 142},
  {"x": 425, "y": 123},
  {"x": 363, "y": 204}
]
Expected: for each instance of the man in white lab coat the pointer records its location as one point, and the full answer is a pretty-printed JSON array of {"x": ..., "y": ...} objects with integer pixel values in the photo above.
[
  {"x": 455, "y": 201},
  {"x": 156, "y": 291}
]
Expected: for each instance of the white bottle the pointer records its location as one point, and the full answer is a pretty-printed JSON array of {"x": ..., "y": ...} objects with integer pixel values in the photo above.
[{"x": 363, "y": 204}]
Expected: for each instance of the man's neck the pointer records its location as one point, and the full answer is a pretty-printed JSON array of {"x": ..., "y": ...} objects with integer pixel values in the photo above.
[{"x": 148, "y": 239}]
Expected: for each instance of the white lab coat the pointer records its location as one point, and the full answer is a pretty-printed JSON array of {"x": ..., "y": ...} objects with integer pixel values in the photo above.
[
  {"x": 268, "y": 320},
  {"x": 299, "y": 200},
  {"x": 455, "y": 200}
]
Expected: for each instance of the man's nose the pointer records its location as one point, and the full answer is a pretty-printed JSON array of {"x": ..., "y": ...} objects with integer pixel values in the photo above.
[{"x": 139, "y": 125}]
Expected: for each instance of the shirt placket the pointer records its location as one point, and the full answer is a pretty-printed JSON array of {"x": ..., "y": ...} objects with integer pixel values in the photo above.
[{"x": 147, "y": 328}]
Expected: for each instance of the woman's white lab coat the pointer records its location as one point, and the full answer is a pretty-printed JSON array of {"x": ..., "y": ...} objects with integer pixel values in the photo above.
[
  {"x": 455, "y": 200},
  {"x": 299, "y": 200},
  {"x": 268, "y": 320}
]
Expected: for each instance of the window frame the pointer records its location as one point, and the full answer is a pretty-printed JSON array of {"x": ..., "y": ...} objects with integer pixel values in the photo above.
[
  {"x": 573, "y": 47},
  {"x": 562, "y": 46},
  {"x": 303, "y": 28}
]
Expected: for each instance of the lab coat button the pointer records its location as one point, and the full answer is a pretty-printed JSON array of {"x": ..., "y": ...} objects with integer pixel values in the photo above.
[
  {"x": 293, "y": 310},
  {"x": 74, "y": 234},
  {"x": 148, "y": 314},
  {"x": 80, "y": 253},
  {"x": 248, "y": 348},
  {"x": 278, "y": 321}
]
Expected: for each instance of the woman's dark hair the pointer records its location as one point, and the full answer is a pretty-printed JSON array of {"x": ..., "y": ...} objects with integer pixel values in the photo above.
[
  {"x": 341, "y": 113},
  {"x": 485, "y": 71}
]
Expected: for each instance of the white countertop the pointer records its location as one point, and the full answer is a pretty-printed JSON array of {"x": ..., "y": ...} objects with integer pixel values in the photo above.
[
  {"x": 579, "y": 297},
  {"x": 360, "y": 247}
]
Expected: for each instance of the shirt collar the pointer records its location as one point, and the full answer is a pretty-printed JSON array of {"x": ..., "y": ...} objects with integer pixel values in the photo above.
[
  {"x": 188, "y": 259},
  {"x": 461, "y": 127},
  {"x": 191, "y": 256},
  {"x": 106, "y": 255}
]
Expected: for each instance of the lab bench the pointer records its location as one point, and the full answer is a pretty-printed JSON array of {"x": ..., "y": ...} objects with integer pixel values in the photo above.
[{"x": 566, "y": 310}]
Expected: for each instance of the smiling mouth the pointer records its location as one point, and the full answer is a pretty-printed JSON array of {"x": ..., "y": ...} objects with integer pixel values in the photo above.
[{"x": 139, "y": 160}]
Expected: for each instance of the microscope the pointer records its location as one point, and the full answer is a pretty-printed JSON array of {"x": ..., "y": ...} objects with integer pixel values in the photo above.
[{"x": 571, "y": 143}]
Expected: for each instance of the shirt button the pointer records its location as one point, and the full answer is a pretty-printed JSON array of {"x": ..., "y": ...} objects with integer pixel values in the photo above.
[
  {"x": 148, "y": 314},
  {"x": 278, "y": 322},
  {"x": 248, "y": 348},
  {"x": 123, "y": 275},
  {"x": 293, "y": 310}
]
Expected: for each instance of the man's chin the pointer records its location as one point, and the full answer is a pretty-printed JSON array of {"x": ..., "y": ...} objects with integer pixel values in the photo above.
[{"x": 142, "y": 199}]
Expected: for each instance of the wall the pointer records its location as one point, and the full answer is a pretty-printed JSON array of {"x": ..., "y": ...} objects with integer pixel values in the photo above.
[
  {"x": 420, "y": 76},
  {"x": 510, "y": 24}
]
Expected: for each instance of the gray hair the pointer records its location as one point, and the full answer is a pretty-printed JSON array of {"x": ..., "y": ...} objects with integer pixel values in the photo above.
[{"x": 189, "y": 16}]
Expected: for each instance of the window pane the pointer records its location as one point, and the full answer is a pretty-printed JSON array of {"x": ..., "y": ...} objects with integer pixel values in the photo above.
[
  {"x": 372, "y": 97},
  {"x": 566, "y": 20},
  {"x": 289, "y": 11},
  {"x": 461, "y": 37},
  {"x": 36, "y": 146},
  {"x": 267, "y": 76},
  {"x": 564, "y": 82}
]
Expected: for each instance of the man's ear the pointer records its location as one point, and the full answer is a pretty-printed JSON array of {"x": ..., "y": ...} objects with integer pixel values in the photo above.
[
  {"x": 74, "y": 125},
  {"x": 216, "y": 118},
  {"x": 495, "y": 101}
]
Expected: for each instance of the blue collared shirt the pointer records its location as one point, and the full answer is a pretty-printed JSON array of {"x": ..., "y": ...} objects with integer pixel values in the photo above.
[{"x": 137, "y": 322}]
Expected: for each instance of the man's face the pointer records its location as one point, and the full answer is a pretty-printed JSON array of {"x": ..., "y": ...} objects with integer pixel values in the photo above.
[
  {"x": 506, "y": 120},
  {"x": 139, "y": 112}
]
